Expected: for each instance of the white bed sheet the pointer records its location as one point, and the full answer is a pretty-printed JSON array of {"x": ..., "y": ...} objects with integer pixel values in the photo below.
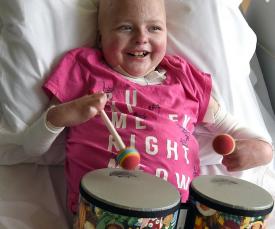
[{"x": 32, "y": 197}]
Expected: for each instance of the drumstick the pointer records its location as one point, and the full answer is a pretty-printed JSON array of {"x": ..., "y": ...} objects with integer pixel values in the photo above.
[
  {"x": 127, "y": 157},
  {"x": 112, "y": 130}
]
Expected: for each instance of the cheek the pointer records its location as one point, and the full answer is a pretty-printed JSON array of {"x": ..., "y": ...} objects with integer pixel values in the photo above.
[
  {"x": 113, "y": 42},
  {"x": 111, "y": 50},
  {"x": 111, "y": 47},
  {"x": 109, "y": 44},
  {"x": 160, "y": 48},
  {"x": 160, "y": 44}
]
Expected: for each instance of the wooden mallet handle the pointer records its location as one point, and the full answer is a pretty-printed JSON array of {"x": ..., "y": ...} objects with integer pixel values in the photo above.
[{"x": 112, "y": 130}]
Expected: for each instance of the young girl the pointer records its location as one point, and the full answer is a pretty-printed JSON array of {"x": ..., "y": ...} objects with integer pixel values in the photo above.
[{"x": 155, "y": 102}]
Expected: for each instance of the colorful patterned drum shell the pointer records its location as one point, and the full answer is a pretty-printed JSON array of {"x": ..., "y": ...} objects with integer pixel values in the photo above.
[
  {"x": 227, "y": 202},
  {"x": 117, "y": 199}
]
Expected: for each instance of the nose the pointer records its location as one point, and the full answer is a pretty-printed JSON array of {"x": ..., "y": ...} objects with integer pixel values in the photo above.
[{"x": 141, "y": 37}]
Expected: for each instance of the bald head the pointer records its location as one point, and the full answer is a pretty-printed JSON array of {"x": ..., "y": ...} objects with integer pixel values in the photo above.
[{"x": 109, "y": 10}]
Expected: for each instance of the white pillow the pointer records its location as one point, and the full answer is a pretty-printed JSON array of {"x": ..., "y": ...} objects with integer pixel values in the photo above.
[
  {"x": 33, "y": 35},
  {"x": 211, "y": 34}
]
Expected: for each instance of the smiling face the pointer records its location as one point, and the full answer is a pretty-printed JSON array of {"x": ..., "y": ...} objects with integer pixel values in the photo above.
[{"x": 133, "y": 35}]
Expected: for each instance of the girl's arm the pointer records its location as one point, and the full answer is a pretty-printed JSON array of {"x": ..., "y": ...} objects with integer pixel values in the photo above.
[
  {"x": 76, "y": 111},
  {"x": 251, "y": 149},
  {"x": 38, "y": 137}
]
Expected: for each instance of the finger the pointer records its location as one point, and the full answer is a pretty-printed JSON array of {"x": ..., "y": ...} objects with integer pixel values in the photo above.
[
  {"x": 97, "y": 101},
  {"x": 230, "y": 157},
  {"x": 231, "y": 164},
  {"x": 92, "y": 111},
  {"x": 96, "y": 93},
  {"x": 101, "y": 95}
]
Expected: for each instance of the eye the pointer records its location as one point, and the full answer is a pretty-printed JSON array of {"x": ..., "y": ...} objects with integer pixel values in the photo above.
[
  {"x": 125, "y": 28},
  {"x": 155, "y": 28}
]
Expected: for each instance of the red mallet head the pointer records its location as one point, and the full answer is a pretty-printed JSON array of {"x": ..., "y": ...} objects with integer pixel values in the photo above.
[
  {"x": 223, "y": 144},
  {"x": 128, "y": 158}
]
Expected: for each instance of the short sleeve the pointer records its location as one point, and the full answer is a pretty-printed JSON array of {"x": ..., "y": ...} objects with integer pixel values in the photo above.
[
  {"x": 202, "y": 85},
  {"x": 196, "y": 83},
  {"x": 68, "y": 80}
]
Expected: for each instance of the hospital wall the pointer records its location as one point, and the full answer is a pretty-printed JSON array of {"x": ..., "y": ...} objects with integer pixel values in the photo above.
[{"x": 261, "y": 18}]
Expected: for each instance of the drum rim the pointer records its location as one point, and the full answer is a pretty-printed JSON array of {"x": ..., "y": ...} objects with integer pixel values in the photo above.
[
  {"x": 226, "y": 208},
  {"x": 143, "y": 213}
]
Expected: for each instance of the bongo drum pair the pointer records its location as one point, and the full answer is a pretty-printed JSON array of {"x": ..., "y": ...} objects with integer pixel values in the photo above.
[{"x": 120, "y": 199}]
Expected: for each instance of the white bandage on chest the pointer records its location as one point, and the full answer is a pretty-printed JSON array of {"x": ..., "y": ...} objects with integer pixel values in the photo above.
[
  {"x": 223, "y": 122},
  {"x": 38, "y": 138}
]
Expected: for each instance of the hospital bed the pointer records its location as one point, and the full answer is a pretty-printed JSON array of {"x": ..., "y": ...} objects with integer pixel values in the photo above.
[{"x": 213, "y": 35}]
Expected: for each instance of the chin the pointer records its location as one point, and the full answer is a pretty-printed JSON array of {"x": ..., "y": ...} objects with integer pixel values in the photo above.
[
  {"x": 137, "y": 75},
  {"x": 132, "y": 74}
]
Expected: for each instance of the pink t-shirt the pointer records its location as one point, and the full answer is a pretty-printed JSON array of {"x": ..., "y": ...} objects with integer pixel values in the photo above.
[{"x": 158, "y": 120}]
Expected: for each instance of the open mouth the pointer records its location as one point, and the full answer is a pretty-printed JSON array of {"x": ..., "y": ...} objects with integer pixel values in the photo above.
[{"x": 139, "y": 54}]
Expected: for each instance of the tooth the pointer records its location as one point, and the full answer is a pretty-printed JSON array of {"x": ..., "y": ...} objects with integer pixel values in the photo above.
[{"x": 139, "y": 54}]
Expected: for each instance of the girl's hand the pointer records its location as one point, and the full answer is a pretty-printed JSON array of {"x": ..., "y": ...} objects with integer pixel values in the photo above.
[
  {"x": 77, "y": 111},
  {"x": 248, "y": 154}
]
